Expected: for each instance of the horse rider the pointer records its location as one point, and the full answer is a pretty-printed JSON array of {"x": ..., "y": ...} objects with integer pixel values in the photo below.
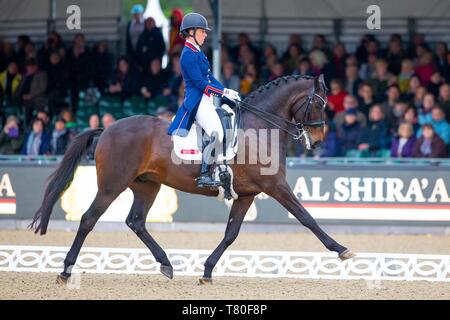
[{"x": 201, "y": 87}]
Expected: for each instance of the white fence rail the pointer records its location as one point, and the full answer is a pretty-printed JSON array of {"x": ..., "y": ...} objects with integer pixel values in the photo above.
[{"x": 271, "y": 264}]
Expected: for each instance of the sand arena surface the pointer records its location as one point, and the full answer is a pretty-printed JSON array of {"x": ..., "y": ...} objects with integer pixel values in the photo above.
[{"x": 96, "y": 286}]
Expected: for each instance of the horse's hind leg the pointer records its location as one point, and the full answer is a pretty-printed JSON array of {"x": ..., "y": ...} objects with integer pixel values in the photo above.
[
  {"x": 88, "y": 220},
  {"x": 144, "y": 196}
]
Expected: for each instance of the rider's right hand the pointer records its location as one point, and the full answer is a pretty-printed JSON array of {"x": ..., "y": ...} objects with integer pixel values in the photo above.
[{"x": 231, "y": 94}]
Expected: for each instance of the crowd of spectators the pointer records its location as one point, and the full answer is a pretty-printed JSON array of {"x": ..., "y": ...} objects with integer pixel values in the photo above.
[{"x": 384, "y": 100}]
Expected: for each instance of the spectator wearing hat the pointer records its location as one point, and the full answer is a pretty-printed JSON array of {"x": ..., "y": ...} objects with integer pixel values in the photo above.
[
  {"x": 350, "y": 102},
  {"x": 134, "y": 30},
  {"x": 429, "y": 144},
  {"x": 403, "y": 145},
  {"x": 37, "y": 141},
  {"x": 60, "y": 137},
  {"x": 11, "y": 137}
]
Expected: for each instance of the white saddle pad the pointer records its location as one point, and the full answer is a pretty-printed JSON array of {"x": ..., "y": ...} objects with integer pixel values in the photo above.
[{"x": 190, "y": 147}]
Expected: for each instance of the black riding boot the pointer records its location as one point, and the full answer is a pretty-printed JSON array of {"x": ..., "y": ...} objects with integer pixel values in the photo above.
[{"x": 205, "y": 180}]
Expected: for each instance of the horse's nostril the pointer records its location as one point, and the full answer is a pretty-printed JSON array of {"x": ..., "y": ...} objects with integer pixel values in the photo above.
[{"x": 316, "y": 144}]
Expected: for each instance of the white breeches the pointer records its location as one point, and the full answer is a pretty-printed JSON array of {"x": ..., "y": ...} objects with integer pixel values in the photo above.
[{"x": 208, "y": 118}]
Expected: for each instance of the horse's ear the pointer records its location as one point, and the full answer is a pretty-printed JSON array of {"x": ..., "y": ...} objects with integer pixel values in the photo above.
[{"x": 322, "y": 82}]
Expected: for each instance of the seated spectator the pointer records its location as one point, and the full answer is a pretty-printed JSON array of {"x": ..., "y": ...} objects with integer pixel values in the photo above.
[
  {"x": 249, "y": 82},
  {"x": 71, "y": 124},
  {"x": 413, "y": 86},
  {"x": 375, "y": 137},
  {"x": 266, "y": 69},
  {"x": 330, "y": 147},
  {"x": 428, "y": 104},
  {"x": 367, "y": 70},
  {"x": 440, "y": 126},
  {"x": 444, "y": 99},
  {"x": 338, "y": 61},
  {"x": 350, "y": 102},
  {"x": 319, "y": 62},
  {"x": 11, "y": 137},
  {"x": 407, "y": 71},
  {"x": 33, "y": 89},
  {"x": 336, "y": 99},
  {"x": 126, "y": 81},
  {"x": 156, "y": 79},
  {"x": 403, "y": 145},
  {"x": 410, "y": 117},
  {"x": 425, "y": 68},
  {"x": 352, "y": 79},
  {"x": 429, "y": 144},
  {"x": 303, "y": 67},
  {"x": 393, "y": 96},
  {"x": 276, "y": 72},
  {"x": 229, "y": 77},
  {"x": 10, "y": 81},
  {"x": 350, "y": 132},
  {"x": 394, "y": 55},
  {"x": 44, "y": 116},
  {"x": 107, "y": 120},
  {"x": 435, "y": 83},
  {"x": 150, "y": 45},
  {"x": 366, "y": 99},
  {"x": 398, "y": 113},
  {"x": 60, "y": 137},
  {"x": 381, "y": 81},
  {"x": 37, "y": 141},
  {"x": 94, "y": 121},
  {"x": 290, "y": 60}
]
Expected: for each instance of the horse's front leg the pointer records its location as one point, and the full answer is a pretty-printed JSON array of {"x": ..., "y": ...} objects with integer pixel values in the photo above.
[
  {"x": 283, "y": 194},
  {"x": 237, "y": 214}
]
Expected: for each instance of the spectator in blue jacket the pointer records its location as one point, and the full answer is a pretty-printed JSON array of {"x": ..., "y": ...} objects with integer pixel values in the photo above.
[
  {"x": 38, "y": 141},
  {"x": 440, "y": 126},
  {"x": 330, "y": 147}
]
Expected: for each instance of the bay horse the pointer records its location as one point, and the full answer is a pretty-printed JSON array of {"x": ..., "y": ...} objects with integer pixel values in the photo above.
[{"x": 135, "y": 153}]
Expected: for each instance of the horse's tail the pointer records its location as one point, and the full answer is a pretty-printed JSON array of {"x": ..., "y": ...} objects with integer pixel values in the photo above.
[{"x": 60, "y": 180}]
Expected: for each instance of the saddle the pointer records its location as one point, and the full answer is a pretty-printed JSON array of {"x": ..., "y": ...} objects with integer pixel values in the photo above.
[{"x": 192, "y": 145}]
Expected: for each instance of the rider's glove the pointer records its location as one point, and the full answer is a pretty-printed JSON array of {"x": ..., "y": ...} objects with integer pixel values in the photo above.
[{"x": 231, "y": 94}]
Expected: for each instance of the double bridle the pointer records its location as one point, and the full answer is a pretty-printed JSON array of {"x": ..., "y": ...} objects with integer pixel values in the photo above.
[{"x": 301, "y": 131}]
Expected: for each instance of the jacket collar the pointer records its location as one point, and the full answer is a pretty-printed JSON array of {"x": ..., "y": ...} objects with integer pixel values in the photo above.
[{"x": 192, "y": 46}]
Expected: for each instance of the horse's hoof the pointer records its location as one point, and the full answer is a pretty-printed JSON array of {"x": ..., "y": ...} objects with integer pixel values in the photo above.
[
  {"x": 167, "y": 271},
  {"x": 347, "y": 254},
  {"x": 62, "y": 279},
  {"x": 205, "y": 281}
]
